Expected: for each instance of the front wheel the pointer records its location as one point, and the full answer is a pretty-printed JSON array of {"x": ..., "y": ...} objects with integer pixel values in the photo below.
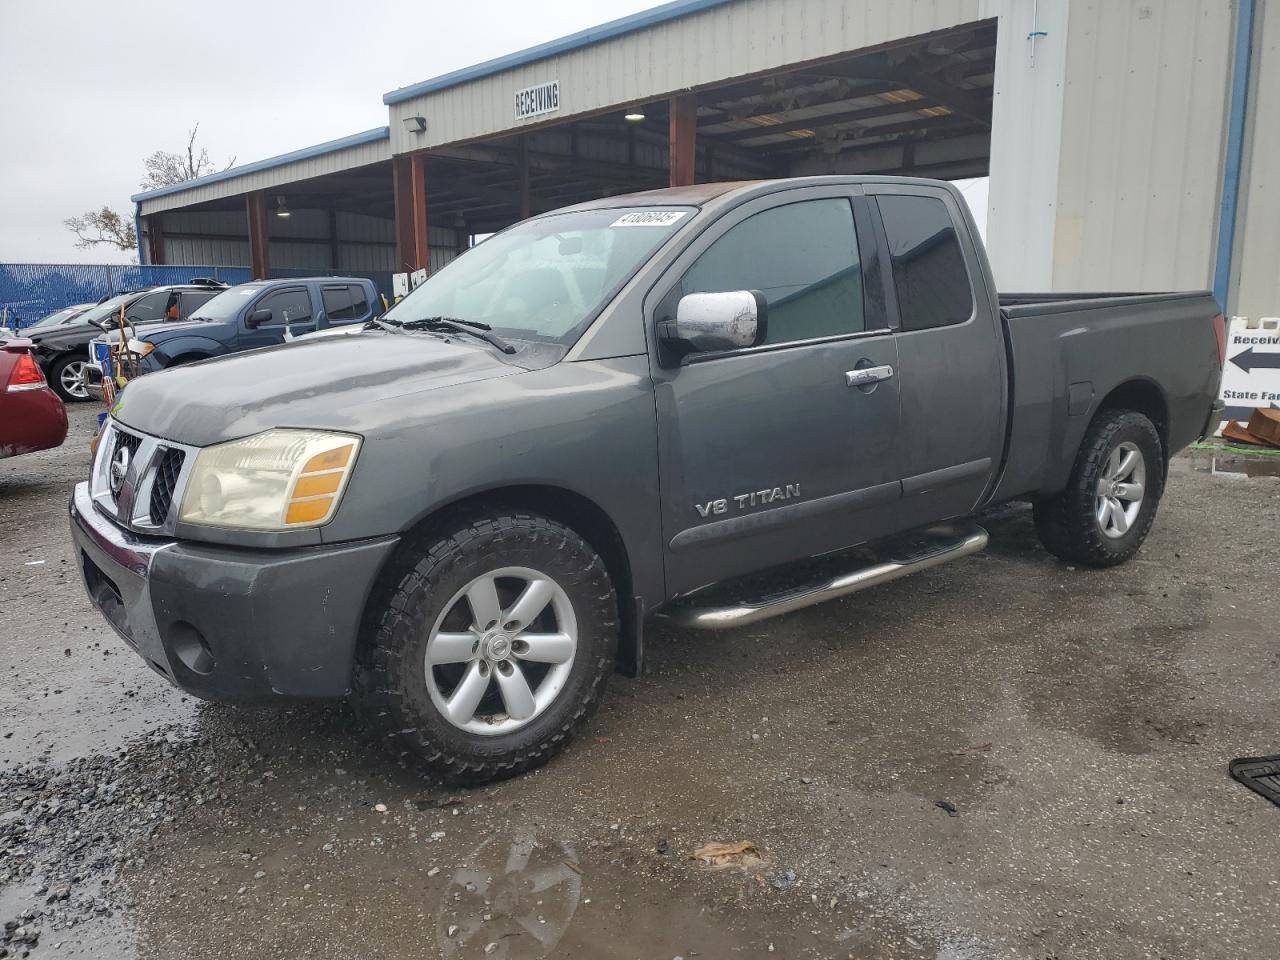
[
  {"x": 487, "y": 646},
  {"x": 1107, "y": 509},
  {"x": 66, "y": 377}
]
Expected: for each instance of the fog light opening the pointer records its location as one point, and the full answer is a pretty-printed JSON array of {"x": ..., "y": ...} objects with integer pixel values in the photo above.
[{"x": 190, "y": 646}]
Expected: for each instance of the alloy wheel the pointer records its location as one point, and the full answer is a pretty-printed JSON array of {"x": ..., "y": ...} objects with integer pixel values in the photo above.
[
  {"x": 501, "y": 651},
  {"x": 1118, "y": 498}
]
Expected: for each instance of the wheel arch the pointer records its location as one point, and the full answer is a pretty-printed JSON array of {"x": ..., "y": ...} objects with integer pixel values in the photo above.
[
  {"x": 1145, "y": 397},
  {"x": 580, "y": 514}
]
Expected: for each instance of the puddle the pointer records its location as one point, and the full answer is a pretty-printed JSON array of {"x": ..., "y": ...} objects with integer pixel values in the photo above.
[
  {"x": 518, "y": 911},
  {"x": 1232, "y": 468}
]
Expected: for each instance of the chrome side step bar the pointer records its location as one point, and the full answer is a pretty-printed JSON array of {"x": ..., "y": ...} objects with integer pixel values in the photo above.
[{"x": 930, "y": 548}]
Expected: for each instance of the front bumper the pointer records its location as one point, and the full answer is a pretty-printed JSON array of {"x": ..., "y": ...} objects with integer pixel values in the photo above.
[{"x": 224, "y": 623}]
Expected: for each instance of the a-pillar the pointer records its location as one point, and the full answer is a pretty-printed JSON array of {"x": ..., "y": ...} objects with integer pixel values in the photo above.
[
  {"x": 409, "y": 179},
  {"x": 683, "y": 138},
  {"x": 256, "y": 208}
]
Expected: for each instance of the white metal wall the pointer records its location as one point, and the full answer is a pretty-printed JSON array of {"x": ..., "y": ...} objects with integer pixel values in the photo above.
[
  {"x": 1256, "y": 292},
  {"x": 1106, "y": 155},
  {"x": 333, "y": 162},
  {"x": 706, "y": 47}
]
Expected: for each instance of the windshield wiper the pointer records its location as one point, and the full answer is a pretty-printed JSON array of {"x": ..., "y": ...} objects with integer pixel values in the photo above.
[{"x": 476, "y": 329}]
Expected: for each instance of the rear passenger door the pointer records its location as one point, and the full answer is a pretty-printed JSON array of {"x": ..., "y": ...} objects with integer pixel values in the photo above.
[
  {"x": 770, "y": 454},
  {"x": 344, "y": 304},
  {"x": 950, "y": 350}
]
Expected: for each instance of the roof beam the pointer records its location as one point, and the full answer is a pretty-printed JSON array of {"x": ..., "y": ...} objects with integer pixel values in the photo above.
[{"x": 830, "y": 119}]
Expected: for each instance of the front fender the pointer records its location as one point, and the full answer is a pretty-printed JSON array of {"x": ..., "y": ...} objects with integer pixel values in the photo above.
[{"x": 169, "y": 350}]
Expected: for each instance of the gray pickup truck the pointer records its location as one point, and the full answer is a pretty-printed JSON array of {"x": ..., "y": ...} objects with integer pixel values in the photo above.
[{"x": 716, "y": 403}]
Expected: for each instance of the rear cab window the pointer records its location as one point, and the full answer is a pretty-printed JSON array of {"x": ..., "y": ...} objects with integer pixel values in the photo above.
[
  {"x": 345, "y": 302},
  {"x": 929, "y": 271}
]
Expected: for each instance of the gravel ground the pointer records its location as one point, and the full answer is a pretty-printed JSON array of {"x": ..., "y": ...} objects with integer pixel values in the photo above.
[{"x": 1078, "y": 722}]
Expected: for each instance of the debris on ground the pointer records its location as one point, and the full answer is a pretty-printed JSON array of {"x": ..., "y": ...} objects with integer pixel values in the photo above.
[
  {"x": 971, "y": 751},
  {"x": 742, "y": 854},
  {"x": 948, "y": 806}
]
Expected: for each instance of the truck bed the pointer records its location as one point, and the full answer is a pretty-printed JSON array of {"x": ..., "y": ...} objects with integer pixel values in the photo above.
[{"x": 1069, "y": 354}]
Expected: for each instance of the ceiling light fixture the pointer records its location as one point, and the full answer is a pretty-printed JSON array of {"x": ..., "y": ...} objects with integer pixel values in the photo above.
[
  {"x": 634, "y": 115},
  {"x": 282, "y": 210}
]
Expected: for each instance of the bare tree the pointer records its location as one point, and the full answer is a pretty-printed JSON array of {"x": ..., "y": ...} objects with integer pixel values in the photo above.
[
  {"x": 103, "y": 226},
  {"x": 165, "y": 168}
]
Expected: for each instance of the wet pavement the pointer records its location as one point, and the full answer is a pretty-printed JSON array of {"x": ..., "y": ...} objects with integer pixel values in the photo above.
[{"x": 1079, "y": 722}]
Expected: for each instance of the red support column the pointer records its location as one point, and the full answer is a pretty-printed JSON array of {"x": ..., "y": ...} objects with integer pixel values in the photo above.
[
  {"x": 683, "y": 138},
  {"x": 256, "y": 208},
  {"x": 155, "y": 239},
  {"x": 409, "y": 179}
]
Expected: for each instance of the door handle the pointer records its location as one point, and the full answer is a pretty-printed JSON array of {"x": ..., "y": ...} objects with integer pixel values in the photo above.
[{"x": 867, "y": 376}]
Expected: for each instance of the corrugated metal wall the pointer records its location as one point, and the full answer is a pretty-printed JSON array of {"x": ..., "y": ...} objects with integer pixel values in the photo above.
[
  {"x": 301, "y": 242},
  {"x": 332, "y": 162},
  {"x": 702, "y": 48},
  {"x": 1026, "y": 133},
  {"x": 1144, "y": 120},
  {"x": 1257, "y": 292}
]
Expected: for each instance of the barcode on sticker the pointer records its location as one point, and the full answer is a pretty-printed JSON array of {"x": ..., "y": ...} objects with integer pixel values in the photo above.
[{"x": 649, "y": 218}]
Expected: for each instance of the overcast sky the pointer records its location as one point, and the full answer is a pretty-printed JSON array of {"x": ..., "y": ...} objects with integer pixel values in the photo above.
[{"x": 88, "y": 89}]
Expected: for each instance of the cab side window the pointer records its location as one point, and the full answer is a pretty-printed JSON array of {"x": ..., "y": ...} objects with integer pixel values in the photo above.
[
  {"x": 287, "y": 306},
  {"x": 150, "y": 307},
  {"x": 344, "y": 302},
  {"x": 803, "y": 257},
  {"x": 191, "y": 301},
  {"x": 928, "y": 264}
]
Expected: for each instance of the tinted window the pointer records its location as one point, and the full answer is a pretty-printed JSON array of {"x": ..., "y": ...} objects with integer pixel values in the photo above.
[
  {"x": 287, "y": 306},
  {"x": 190, "y": 301},
  {"x": 803, "y": 257},
  {"x": 150, "y": 307},
  {"x": 928, "y": 266},
  {"x": 345, "y": 303}
]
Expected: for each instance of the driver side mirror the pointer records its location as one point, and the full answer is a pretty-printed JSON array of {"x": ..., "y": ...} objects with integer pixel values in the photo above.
[
  {"x": 715, "y": 322},
  {"x": 258, "y": 318}
]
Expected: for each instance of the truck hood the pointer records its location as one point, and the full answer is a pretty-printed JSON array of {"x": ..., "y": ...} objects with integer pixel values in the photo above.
[{"x": 327, "y": 383}]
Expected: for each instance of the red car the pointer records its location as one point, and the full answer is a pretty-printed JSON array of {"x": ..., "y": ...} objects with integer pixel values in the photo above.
[{"x": 32, "y": 416}]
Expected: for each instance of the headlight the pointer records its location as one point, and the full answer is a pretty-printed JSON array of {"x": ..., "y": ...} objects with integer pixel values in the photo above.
[{"x": 278, "y": 480}]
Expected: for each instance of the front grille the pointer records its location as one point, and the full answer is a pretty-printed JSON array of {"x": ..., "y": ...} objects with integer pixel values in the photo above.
[
  {"x": 126, "y": 441},
  {"x": 166, "y": 479}
]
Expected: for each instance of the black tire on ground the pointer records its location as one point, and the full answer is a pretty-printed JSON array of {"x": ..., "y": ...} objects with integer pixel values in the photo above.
[
  {"x": 414, "y": 592},
  {"x": 55, "y": 376},
  {"x": 1068, "y": 524}
]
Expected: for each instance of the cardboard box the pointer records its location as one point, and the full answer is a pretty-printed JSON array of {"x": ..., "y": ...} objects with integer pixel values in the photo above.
[{"x": 1264, "y": 425}]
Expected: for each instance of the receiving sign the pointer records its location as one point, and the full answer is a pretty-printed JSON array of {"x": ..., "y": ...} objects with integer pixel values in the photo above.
[
  {"x": 532, "y": 101},
  {"x": 1251, "y": 376}
]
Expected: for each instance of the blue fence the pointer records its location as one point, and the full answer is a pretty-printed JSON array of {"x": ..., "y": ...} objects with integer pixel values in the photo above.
[{"x": 29, "y": 291}]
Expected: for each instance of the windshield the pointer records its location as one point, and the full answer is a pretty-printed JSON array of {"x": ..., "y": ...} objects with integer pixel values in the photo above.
[
  {"x": 54, "y": 319},
  {"x": 227, "y": 304},
  {"x": 544, "y": 279},
  {"x": 105, "y": 309}
]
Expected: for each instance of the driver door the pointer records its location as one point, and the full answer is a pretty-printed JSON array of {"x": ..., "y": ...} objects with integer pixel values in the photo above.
[
  {"x": 769, "y": 454},
  {"x": 288, "y": 305}
]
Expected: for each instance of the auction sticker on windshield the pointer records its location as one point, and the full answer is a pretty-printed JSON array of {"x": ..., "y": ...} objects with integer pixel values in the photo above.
[{"x": 649, "y": 218}]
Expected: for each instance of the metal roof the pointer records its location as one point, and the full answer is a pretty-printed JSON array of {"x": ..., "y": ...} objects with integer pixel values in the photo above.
[
  {"x": 583, "y": 38},
  {"x": 306, "y": 153}
]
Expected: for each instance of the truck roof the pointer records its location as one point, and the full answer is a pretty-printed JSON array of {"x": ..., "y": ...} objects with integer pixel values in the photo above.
[{"x": 701, "y": 194}]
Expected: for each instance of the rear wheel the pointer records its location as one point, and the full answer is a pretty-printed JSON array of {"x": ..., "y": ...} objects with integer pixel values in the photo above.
[
  {"x": 65, "y": 376},
  {"x": 1105, "y": 513},
  {"x": 487, "y": 646}
]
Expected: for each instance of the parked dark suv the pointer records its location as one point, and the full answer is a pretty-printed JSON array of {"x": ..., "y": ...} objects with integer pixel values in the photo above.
[
  {"x": 64, "y": 350},
  {"x": 257, "y": 314}
]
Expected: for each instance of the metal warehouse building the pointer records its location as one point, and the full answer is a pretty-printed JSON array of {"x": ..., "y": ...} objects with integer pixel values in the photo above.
[{"x": 1122, "y": 137}]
